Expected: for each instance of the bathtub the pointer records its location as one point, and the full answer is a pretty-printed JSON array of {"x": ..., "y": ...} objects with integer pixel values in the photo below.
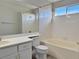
[{"x": 62, "y": 49}]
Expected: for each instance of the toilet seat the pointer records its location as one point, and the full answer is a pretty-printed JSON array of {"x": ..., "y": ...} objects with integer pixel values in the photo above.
[{"x": 42, "y": 49}]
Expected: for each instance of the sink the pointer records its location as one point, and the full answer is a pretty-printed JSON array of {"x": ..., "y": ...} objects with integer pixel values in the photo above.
[{"x": 3, "y": 42}]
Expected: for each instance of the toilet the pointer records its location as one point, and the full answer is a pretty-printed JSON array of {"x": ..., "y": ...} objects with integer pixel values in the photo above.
[{"x": 41, "y": 52}]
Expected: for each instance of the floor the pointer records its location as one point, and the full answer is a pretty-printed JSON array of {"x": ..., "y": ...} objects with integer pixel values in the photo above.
[
  {"x": 51, "y": 57},
  {"x": 48, "y": 57}
]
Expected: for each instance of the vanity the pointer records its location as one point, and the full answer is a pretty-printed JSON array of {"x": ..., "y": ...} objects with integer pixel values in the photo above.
[{"x": 16, "y": 48}]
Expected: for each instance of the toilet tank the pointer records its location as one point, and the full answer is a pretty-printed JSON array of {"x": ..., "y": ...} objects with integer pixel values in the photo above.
[{"x": 36, "y": 40}]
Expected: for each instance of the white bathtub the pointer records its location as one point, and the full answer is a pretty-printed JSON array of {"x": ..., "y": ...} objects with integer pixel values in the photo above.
[{"x": 62, "y": 49}]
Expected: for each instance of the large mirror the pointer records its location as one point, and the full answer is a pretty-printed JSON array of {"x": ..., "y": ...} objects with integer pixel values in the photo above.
[
  {"x": 30, "y": 21},
  {"x": 17, "y": 17}
]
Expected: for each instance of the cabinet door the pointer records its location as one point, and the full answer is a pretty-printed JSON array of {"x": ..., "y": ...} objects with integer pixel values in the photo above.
[
  {"x": 8, "y": 51},
  {"x": 10, "y": 57},
  {"x": 26, "y": 54}
]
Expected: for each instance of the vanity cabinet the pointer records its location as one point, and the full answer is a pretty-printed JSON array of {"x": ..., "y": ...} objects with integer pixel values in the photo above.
[
  {"x": 20, "y": 51},
  {"x": 14, "y": 56},
  {"x": 8, "y": 53},
  {"x": 25, "y": 51},
  {"x": 25, "y": 54}
]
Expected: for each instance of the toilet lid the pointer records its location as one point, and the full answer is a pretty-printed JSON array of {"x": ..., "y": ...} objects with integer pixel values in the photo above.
[{"x": 42, "y": 47}]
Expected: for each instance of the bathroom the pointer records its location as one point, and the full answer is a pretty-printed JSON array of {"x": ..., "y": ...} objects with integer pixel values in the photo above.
[{"x": 53, "y": 23}]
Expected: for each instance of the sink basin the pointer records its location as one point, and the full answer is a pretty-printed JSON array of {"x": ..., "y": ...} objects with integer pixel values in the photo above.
[{"x": 3, "y": 42}]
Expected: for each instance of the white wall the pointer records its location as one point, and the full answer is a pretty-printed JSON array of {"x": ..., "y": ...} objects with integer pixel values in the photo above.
[
  {"x": 60, "y": 27},
  {"x": 8, "y": 21},
  {"x": 66, "y": 27}
]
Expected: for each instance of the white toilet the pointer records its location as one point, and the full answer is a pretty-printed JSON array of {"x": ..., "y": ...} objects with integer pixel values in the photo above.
[{"x": 41, "y": 52}]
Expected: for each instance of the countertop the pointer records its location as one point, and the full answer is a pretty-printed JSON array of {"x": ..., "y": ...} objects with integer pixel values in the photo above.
[
  {"x": 12, "y": 40},
  {"x": 20, "y": 35}
]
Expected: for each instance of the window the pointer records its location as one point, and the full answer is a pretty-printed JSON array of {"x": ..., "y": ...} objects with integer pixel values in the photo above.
[
  {"x": 73, "y": 9},
  {"x": 60, "y": 11}
]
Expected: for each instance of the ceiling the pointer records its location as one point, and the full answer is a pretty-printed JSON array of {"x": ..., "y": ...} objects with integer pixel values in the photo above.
[
  {"x": 31, "y": 2},
  {"x": 16, "y": 5},
  {"x": 25, "y": 5}
]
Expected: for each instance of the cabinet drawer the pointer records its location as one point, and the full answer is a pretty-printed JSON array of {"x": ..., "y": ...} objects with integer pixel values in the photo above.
[
  {"x": 25, "y": 46},
  {"x": 8, "y": 51}
]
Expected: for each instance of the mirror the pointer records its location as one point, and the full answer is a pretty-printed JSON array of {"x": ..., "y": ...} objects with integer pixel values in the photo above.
[
  {"x": 30, "y": 21},
  {"x": 12, "y": 13}
]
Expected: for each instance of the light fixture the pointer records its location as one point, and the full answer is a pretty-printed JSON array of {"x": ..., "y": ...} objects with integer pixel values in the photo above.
[
  {"x": 53, "y": 0},
  {"x": 19, "y": 0}
]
